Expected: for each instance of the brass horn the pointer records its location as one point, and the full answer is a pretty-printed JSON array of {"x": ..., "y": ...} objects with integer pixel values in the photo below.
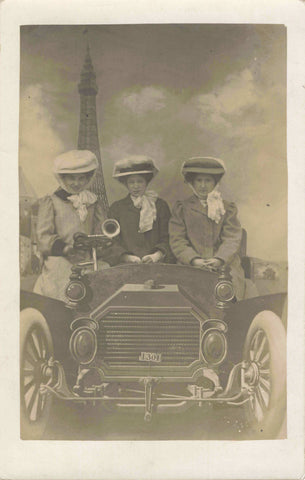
[{"x": 111, "y": 228}]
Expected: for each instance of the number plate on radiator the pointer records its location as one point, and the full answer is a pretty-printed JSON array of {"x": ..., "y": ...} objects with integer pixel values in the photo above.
[{"x": 150, "y": 357}]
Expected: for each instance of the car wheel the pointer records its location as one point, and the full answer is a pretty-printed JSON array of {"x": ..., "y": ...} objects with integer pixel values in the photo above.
[
  {"x": 36, "y": 348},
  {"x": 265, "y": 374}
]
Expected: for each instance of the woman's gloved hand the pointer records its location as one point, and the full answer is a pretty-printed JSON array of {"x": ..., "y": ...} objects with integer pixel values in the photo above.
[
  {"x": 208, "y": 263},
  {"x": 74, "y": 255},
  {"x": 126, "y": 258},
  {"x": 213, "y": 262},
  {"x": 198, "y": 262},
  {"x": 153, "y": 257}
]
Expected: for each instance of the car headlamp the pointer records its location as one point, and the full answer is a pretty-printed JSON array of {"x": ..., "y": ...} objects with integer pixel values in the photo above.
[
  {"x": 76, "y": 291},
  {"x": 213, "y": 346},
  {"x": 83, "y": 345},
  {"x": 224, "y": 291}
]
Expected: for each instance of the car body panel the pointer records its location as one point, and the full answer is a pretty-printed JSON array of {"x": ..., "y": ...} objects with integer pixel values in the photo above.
[
  {"x": 198, "y": 284},
  {"x": 173, "y": 287}
]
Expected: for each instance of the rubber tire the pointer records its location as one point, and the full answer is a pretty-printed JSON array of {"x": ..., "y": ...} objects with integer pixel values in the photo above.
[
  {"x": 271, "y": 425},
  {"x": 29, "y": 319}
]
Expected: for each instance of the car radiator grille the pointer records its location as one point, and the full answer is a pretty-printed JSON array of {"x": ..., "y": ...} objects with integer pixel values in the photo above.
[{"x": 123, "y": 336}]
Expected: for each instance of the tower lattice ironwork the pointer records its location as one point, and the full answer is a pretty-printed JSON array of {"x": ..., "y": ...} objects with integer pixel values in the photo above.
[{"x": 88, "y": 138}]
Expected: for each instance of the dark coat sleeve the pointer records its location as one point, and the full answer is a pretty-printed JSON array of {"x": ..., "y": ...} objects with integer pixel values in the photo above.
[
  {"x": 117, "y": 249},
  {"x": 113, "y": 211},
  {"x": 109, "y": 254},
  {"x": 163, "y": 216},
  {"x": 230, "y": 235}
]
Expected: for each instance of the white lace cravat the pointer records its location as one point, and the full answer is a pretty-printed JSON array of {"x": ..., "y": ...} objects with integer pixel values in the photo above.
[
  {"x": 80, "y": 202},
  {"x": 213, "y": 202},
  {"x": 148, "y": 213},
  {"x": 204, "y": 203},
  {"x": 216, "y": 207}
]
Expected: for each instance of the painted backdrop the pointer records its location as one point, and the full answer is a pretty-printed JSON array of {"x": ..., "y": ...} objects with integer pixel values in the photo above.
[{"x": 170, "y": 91}]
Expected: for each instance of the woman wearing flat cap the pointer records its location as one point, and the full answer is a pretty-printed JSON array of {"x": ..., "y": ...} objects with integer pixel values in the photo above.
[
  {"x": 142, "y": 215},
  {"x": 71, "y": 208},
  {"x": 204, "y": 228}
]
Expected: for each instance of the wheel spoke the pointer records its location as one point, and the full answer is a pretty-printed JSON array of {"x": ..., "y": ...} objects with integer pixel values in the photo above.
[
  {"x": 38, "y": 339},
  {"x": 43, "y": 400},
  {"x": 32, "y": 400},
  {"x": 35, "y": 413},
  {"x": 257, "y": 409},
  {"x": 253, "y": 346},
  {"x": 27, "y": 387},
  {"x": 265, "y": 359},
  {"x": 264, "y": 384},
  {"x": 265, "y": 395},
  {"x": 255, "y": 340},
  {"x": 260, "y": 349},
  {"x": 33, "y": 346},
  {"x": 28, "y": 372},
  {"x": 39, "y": 405},
  {"x": 40, "y": 342},
  {"x": 264, "y": 372},
  {"x": 29, "y": 358},
  {"x": 260, "y": 398}
]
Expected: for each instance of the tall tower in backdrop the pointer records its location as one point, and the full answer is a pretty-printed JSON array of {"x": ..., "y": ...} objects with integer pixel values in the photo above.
[{"x": 88, "y": 132}]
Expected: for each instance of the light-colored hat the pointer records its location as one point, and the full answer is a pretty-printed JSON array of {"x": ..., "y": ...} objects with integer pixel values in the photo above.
[
  {"x": 134, "y": 165},
  {"x": 75, "y": 161},
  {"x": 205, "y": 165}
]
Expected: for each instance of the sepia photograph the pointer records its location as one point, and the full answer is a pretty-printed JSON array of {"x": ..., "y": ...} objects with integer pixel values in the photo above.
[
  {"x": 152, "y": 240},
  {"x": 153, "y": 256}
]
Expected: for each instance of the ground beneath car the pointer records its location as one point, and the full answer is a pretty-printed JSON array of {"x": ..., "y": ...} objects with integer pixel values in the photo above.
[{"x": 72, "y": 422}]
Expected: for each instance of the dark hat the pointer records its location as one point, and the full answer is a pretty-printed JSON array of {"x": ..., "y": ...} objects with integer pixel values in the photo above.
[
  {"x": 205, "y": 165},
  {"x": 133, "y": 165}
]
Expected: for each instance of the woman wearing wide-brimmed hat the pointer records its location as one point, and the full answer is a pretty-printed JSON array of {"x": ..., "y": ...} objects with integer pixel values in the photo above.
[
  {"x": 71, "y": 208},
  {"x": 204, "y": 228},
  {"x": 142, "y": 215}
]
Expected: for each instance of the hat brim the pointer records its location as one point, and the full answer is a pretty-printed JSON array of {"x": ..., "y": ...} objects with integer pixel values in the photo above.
[
  {"x": 135, "y": 172},
  {"x": 204, "y": 170},
  {"x": 63, "y": 171}
]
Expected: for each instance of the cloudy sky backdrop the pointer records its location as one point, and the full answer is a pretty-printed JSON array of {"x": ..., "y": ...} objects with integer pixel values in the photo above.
[{"x": 170, "y": 91}]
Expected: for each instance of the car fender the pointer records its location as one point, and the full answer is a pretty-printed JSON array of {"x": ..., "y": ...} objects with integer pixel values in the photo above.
[
  {"x": 240, "y": 315},
  {"x": 58, "y": 318}
]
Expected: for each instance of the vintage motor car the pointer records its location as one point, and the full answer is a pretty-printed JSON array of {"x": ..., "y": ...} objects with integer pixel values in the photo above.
[{"x": 152, "y": 338}]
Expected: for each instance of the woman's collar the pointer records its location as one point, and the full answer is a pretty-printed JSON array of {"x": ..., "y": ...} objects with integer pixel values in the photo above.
[{"x": 62, "y": 194}]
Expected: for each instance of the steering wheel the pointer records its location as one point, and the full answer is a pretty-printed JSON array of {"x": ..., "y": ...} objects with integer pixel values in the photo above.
[{"x": 82, "y": 241}]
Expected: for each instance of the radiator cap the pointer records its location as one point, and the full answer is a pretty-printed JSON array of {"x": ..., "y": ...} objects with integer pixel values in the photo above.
[{"x": 152, "y": 285}]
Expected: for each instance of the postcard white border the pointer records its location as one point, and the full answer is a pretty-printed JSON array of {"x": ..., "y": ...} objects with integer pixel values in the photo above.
[{"x": 129, "y": 459}]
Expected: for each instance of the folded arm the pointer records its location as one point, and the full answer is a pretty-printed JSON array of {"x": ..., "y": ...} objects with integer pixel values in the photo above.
[
  {"x": 230, "y": 236},
  {"x": 179, "y": 241}
]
